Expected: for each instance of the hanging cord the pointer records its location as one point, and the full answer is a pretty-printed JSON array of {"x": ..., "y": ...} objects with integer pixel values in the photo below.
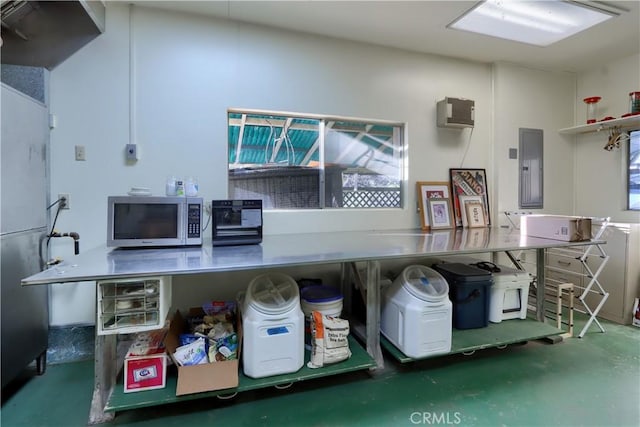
[
  {"x": 54, "y": 203},
  {"x": 55, "y": 219},
  {"x": 209, "y": 210},
  {"x": 43, "y": 261},
  {"x": 266, "y": 146},
  {"x": 464, "y": 156},
  {"x": 289, "y": 145},
  {"x": 75, "y": 236},
  {"x": 291, "y": 158}
]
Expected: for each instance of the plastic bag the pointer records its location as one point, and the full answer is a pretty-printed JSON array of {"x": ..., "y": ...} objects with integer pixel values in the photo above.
[{"x": 329, "y": 340}]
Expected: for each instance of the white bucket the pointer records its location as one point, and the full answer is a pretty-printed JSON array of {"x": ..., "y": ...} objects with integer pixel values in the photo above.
[
  {"x": 273, "y": 327},
  {"x": 325, "y": 299}
]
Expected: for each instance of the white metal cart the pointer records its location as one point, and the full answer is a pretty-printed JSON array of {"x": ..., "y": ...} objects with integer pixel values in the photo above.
[
  {"x": 579, "y": 265},
  {"x": 586, "y": 263}
]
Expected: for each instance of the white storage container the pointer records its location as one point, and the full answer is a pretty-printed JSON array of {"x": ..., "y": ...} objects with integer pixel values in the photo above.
[
  {"x": 127, "y": 306},
  {"x": 416, "y": 313},
  {"x": 325, "y": 299},
  {"x": 509, "y": 294},
  {"x": 273, "y": 326}
]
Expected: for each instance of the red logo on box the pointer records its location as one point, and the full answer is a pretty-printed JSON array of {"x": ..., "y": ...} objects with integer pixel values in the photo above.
[{"x": 144, "y": 374}]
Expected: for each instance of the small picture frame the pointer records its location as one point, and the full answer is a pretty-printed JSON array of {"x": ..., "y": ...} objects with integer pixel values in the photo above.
[
  {"x": 440, "y": 213},
  {"x": 430, "y": 190},
  {"x": 475, "y": 215},
  {"x": 464, "y": 200}
]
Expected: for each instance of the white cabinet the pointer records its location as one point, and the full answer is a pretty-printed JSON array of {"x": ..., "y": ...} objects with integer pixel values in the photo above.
[
  {"x": 563, "y": 266},
  {"x": 621, "y": 276}
]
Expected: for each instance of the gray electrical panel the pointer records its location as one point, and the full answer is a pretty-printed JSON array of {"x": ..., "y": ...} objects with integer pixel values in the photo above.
[
  {"x": 456, "y": 113},
  {"x": 530, "y": 194}
]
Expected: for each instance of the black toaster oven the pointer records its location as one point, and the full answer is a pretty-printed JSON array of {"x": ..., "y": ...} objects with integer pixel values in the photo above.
[{"x": 236, "y": 222}]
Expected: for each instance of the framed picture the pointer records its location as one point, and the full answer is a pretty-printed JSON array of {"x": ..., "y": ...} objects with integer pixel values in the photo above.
[
  {"x": 430, "y": 190},
  {"x": 440, "y": 213},
  {"x": 464, "y": 200},
  {"x": 475, "y": 215},
  {"x": 469, "y": 182}
]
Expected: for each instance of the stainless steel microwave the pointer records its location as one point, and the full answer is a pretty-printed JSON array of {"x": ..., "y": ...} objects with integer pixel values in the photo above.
[{"x": 148, "y": 221}]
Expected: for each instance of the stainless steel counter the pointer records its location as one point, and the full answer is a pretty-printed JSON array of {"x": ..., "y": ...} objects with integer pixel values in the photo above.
[{"x": 286, "y": 250}]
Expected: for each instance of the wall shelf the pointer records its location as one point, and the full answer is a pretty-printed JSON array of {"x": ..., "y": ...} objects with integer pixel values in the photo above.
[{"x": 630, "y": 122}]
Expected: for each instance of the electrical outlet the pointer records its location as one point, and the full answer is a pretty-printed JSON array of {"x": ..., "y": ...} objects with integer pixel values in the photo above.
[
  {"x": 80, "y": 153},
  {"x": 64, "y": 204}
]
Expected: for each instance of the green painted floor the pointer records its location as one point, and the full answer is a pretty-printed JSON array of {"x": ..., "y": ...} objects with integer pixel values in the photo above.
[{"x": 593, "y": 381}]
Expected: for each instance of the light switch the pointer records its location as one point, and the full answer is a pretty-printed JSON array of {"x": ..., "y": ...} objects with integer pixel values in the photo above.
[{"x": 80, "y": 153}]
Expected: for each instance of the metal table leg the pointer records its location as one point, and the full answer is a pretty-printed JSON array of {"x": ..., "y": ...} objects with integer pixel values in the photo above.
[
  {"x": 104, "y": 378},
  {"x": 373, "y": 312},
  {"x": 540, "y": 284},
  {"x": 346, "y": 281}
]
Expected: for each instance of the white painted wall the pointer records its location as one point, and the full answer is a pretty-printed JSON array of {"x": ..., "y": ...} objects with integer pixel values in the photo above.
[
  {"x": 536, "y": 99},
  {"x": 187, "y": 70},
  {"x": 601, "y": 175}
]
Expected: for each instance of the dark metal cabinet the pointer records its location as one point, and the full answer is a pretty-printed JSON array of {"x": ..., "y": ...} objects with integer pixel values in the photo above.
[{"x": 25, "y": 310}]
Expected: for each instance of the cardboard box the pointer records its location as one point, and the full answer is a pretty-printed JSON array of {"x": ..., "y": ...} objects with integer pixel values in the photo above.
[
  {"x": 205, "y": 377},
  {"x": 145, "y": 364},
  {"x": 557, "y": 227}
]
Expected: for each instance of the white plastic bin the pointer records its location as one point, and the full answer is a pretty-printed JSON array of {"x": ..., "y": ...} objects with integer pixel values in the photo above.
[
  {"x": 325, "y": 299},
  {"x": 416, "y": 313},
  {"x": 509, "y": 294},
  {"x": 273, "y": 326}
]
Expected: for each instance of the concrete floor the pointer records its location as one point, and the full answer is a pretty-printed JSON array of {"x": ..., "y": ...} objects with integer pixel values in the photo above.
[{"x": 593, "y": 381}]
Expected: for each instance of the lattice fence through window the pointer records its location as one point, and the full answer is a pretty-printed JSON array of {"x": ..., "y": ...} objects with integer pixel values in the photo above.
[{"x": 371, "y": 199}]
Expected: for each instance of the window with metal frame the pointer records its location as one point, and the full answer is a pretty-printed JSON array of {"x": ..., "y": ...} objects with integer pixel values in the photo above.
[
  {"x": 633, "y": 167},
  {"x": 309, "y": 161}
]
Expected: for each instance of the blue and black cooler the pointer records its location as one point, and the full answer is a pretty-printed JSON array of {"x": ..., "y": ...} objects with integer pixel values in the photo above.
[{"x": 470, "y": 292}]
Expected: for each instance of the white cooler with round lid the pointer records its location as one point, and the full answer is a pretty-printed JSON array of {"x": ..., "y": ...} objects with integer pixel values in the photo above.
[
  {"x": 416, "y": 312},
  {"x": 273, "y": 326}
]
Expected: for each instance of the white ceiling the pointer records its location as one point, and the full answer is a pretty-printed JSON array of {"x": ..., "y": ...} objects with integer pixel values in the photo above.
[{"x": 421, "y": 26}]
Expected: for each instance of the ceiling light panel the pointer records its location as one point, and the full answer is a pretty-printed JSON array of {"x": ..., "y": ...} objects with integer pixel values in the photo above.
[{"x": 540, "y": 23}]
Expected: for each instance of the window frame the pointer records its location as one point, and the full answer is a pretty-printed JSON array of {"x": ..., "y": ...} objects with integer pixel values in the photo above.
[
  {"x": 627, "y": 162},
  {"x": 400, "y": 149}
]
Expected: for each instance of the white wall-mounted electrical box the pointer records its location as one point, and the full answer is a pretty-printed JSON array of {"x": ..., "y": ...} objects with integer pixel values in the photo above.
[
  {"x": 131, "y": 152},
  {"x": 456, "y": 113}
]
